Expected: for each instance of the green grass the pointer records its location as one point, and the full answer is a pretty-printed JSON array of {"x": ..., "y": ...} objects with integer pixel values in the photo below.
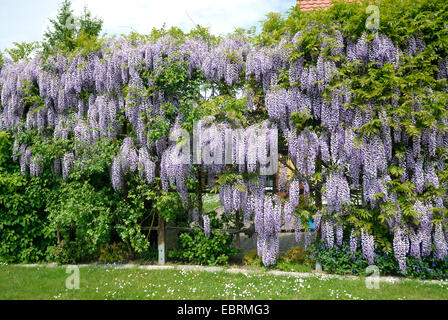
[
  {"x": 112, "y": 283},
  {"x": 291, "y": 266}
]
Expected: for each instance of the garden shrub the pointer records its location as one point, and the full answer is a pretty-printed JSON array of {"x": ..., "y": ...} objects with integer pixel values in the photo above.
[
  {"x": 340, "y": 260},
  {"x": 83, "y": 217},
  {"x": 289, "y": 266},
  {"x": 23, "y": 218},
  {"x": 298, "y": 255},
  {"x": 427, "y": 268},
  {"x": 70, "y": 252},
  {"x": 296, "y": 259},
  {"x": 196, "y": 248},
  {"x": 115, "y": 252},
  {"x": 251, "y": 258}
]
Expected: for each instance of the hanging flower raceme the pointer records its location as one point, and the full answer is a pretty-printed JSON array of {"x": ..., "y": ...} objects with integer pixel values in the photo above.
[
  {"x": 206, "y": 225},
  {"x": 128, "y": 161},
  {"x": 401, "y": 247},
  {"x": 368, "y": 246},
  {"x": 337, "y": 192},
  {"x": 268, "y": 226},
  {"x": 357, "y": 152}
]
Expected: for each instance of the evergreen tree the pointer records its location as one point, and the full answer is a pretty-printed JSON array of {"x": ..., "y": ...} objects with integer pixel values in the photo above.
[
  {"x": 88, "y": 25},
  {"x": 67, "y": 30}
]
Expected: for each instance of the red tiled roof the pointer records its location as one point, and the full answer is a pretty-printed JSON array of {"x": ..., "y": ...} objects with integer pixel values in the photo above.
[{"x": 306, "y": 5}]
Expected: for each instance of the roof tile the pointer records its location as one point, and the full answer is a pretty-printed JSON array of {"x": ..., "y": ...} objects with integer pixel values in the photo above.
[{"x": 306, "y": 5}]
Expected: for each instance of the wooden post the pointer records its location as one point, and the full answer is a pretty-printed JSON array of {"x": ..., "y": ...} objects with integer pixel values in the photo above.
[{"x": 161, "y": 240}]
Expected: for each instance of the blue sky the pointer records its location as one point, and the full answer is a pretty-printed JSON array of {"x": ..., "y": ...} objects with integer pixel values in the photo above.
[{"x": 25, "y": 20}]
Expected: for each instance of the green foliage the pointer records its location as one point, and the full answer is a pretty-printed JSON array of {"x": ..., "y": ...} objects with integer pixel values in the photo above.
[
  {"x": 68, "y": 252},
  {"x": 167, "y": 204},
  {"x": 301, "y": 120},
  {"x": 427, "y": 268},
  {"x": 198, "y": 31},
  {"x": 60, "y": 253},
  {"x": 175, "y": 32},
  {"x": 115, "y": 252},
  {"x": 142, "y": 204},
  {"x": 81, "y": 214},
  {"x": 228, "y": 178},
  {"x": 288, "y": 266},
  {"x": 5, "y": 150},
  {"x": 95, "y": 164},
  {"x": 23, "y": 218},
  {"x": 203, "y": 33},
  {"x": 251, "y": 258},
  {"x": 31, "y": 98},
  {"x": 61, "y": 36},
  {"x": 226, "y": 108},
  {"x": 273, "y": 28},
  {"x": 298, "y": 255},
  {"x": 210, "y": 203},
  {"x": 68, "y": 32},
  {"x": 196, "y": 248},
  {"x": 296, "y": 259},
  {"x": 22, "y": 50},
  {"x": 22, "y": 211},
  {"x": 172, "y": 76},
  {"x": 85, "y": 210},
  {"x": 89, "y": 25},
  {"x": 341, "y": 260},
  {"x": 398, "y": 19},
  {"x": 129, "y": 216}
]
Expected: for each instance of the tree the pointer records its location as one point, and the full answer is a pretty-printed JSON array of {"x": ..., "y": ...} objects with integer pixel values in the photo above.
[
  {"x": 89, "y": 25},
  {"x": 68, "y": 32}
]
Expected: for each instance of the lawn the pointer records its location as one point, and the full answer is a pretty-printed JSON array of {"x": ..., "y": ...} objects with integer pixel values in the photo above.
[
  {"x": 210, "y": 202},
  {"x": 18, "y": 282}
]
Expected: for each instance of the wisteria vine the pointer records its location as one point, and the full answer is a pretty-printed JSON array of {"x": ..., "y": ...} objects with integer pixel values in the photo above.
[{"x": 353, "y": 155}]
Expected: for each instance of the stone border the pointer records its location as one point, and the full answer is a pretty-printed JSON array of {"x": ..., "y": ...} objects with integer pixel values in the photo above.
[{"x": 232, "y": 270}]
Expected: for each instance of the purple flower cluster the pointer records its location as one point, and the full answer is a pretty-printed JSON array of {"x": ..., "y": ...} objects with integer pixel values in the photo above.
[
  {"x": 368, "y": 246},
  {"x": 206, "y": 225},
  {"x": 401, "y": 247},
  {"x": 103, "y": 95}
]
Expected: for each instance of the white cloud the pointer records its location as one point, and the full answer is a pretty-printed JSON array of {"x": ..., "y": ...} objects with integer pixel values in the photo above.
[{"x": 222, "y": 16}]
